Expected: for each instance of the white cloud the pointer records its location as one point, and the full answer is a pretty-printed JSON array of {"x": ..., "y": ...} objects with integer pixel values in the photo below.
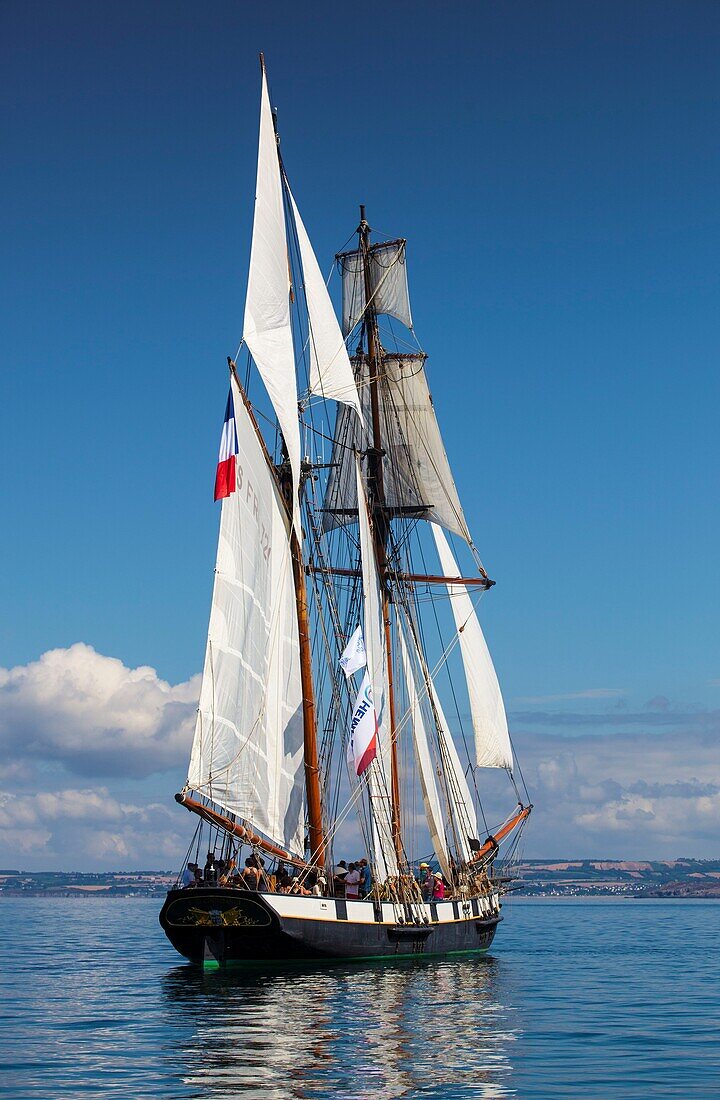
[
  {"x": 89, "y": 827},
  {"x": 688, "y": 816},
  {"x": 640, "y": 784},
  {"x": 94, "y": 715},
  {"x": 586, "y": 693},
  {"x": 650, "y": 793}
]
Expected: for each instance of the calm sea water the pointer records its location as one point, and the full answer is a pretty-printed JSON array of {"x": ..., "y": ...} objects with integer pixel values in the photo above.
[{"x": 579, "y": 998}]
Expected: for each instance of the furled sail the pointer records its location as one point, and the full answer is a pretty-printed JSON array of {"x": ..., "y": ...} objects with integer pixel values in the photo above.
[
  {"x": 247, "y": 754},
  {"x": 426, "y": 769},
  {"x": 416, "y": 473},
  {"x": 492, "y": 740},
  {"x": 331, "y": 374},
  {"x": 266, "y": 329},
  {"x": 379, "y": 772},
  {"x": 388, "y": 283}
]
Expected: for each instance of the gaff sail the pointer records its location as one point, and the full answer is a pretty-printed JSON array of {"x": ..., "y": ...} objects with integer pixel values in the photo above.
[
  {"x": 247, "y": 753},
  {"x": 461, "y": 801},
  {"x": 426, "y": 768},
  {"x": 487, "y": 710}
]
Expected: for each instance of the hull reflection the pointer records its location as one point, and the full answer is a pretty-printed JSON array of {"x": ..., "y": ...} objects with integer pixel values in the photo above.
[{"x": 380, "y": 1030}]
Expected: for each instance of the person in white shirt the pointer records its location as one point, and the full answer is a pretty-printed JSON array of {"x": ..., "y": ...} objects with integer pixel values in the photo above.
[{"x": 352, "y": 883}]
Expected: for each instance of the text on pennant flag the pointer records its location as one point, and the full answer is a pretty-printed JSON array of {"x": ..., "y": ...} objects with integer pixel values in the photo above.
[
  {"x": 362, "y": 745},
  {"x": 354, "y": 655}
]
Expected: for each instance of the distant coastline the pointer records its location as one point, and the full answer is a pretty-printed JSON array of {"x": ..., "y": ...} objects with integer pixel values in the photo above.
[
  {"x": 676, "y": 878},
  {"x": 679, "y": 878}
]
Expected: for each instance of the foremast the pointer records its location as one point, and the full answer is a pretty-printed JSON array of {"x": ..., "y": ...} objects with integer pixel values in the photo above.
[{"x": 313, "y": 787}]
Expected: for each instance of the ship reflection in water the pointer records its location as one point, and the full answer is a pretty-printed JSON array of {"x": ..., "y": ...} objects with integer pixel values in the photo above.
[{"x": 440, "y": 1028}]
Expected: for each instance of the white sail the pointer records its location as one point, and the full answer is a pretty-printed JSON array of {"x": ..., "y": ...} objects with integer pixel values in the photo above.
[
  {"x": 331, "y": 375},
  {"x": 426, "y": 769},
  {"x": 487, "y": 710},
  {"x": 388, "y": 283},
  {"x": 416, "y": 471},
  {"x": 247, "y": 755},
  {"x": 266, "y": 329},
  {"x": 461, "y": 800},
  {"x": 379, "y": 773}
]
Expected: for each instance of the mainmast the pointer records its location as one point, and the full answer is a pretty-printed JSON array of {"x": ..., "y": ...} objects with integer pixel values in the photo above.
[{"x": 381, "y": 525}]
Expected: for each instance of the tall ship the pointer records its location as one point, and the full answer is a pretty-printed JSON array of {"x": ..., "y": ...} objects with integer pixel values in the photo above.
[{"x": 349, "y": 711}]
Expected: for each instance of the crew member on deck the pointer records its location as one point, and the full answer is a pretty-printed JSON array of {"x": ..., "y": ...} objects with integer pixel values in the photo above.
[
  {"x": 210, "y": 874},
  {"x": 251, "y": 874},
  {"x": 365, "y": 878},
  {"x": 283, "y": 878},
  {"x": 339, "y": 874},
  {"x": 352, "y": 883},
  {"x": 227, "y": 873}
]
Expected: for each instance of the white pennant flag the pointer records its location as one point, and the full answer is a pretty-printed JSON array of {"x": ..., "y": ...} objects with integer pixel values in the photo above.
[
  {"x": 354, "y": 655},
  {"x": 362, "y": 745}
]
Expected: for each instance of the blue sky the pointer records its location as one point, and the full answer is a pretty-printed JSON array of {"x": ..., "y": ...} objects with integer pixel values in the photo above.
[{"x": 555, "y": 169}]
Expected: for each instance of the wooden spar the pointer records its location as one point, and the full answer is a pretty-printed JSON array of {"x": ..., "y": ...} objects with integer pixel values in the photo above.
[
  {"x": 312, "y": 764},
  {"x": 492, "y": 842},
  {"x": 399, "y": 241},
  {"x": 243, "y": 832},
  {"x": 416, "y": 578},
  {"x": 380, "y": 524}
]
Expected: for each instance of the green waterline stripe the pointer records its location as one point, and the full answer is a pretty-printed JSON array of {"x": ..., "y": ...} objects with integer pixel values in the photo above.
[{"x": 336, "y": 960}]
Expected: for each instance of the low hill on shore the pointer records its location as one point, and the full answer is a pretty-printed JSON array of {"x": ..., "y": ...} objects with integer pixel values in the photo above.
[{"x": 686, "y": 878}]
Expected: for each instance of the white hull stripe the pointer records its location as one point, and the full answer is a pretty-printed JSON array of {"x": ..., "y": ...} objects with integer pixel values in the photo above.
[{"x": 363, "y": 912}]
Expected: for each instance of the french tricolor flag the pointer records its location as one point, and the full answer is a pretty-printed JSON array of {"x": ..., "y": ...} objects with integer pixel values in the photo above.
[{"x": 225, "y": 476}]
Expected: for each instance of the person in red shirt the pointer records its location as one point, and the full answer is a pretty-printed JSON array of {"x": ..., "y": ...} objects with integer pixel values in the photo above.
[{"x": 438, "y": 892}]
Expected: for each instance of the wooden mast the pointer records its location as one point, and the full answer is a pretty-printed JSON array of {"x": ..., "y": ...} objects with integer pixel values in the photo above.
[
  {"x": 380, "y": 523},
  {"x": 312, "y": 764}
]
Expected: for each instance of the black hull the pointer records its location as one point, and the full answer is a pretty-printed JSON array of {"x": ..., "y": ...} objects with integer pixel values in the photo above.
[{"x": 214, "y": 926}]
